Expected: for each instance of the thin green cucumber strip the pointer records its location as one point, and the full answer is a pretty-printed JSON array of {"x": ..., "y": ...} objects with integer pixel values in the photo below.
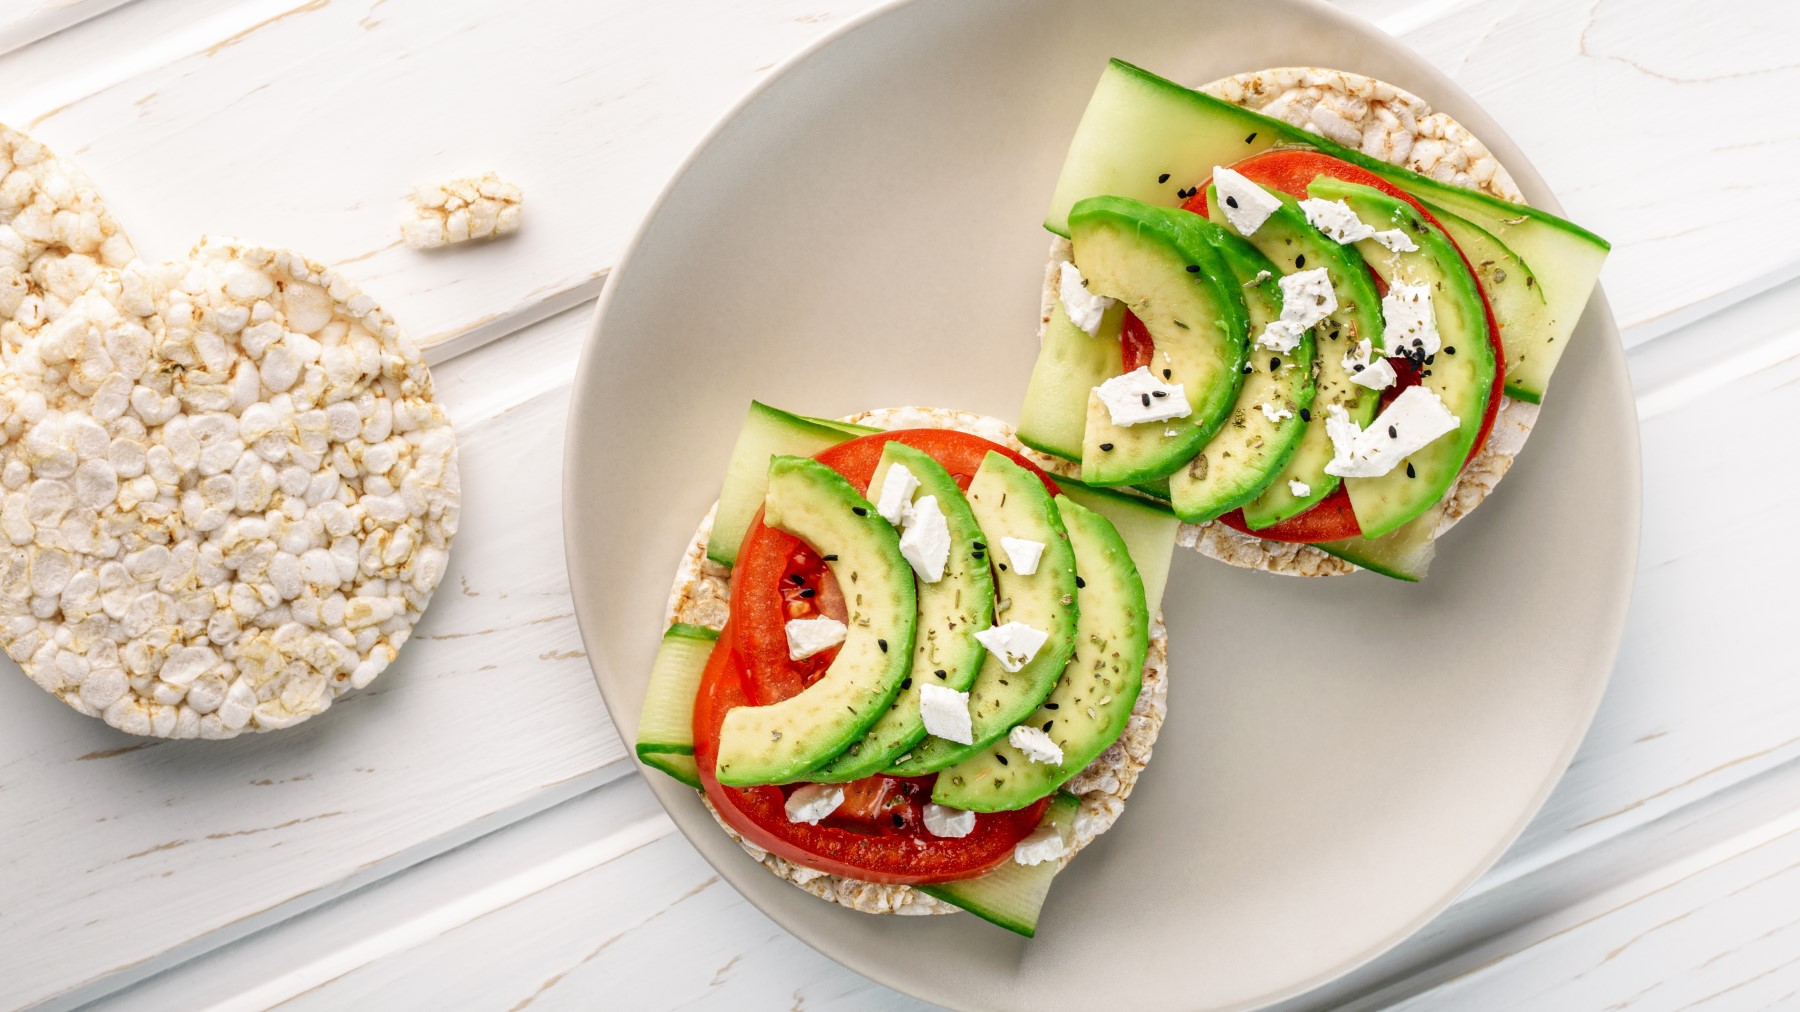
[
  {"x": 666, "y": 721},
  {"x": 768, "y": 432}
]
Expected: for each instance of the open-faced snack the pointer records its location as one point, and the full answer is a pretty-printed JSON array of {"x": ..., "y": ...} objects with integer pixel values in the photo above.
[
  {"x": 1301, "y": 307},
  {"x": 228, "y": 491},
  {"x": 910, "y": 670}
]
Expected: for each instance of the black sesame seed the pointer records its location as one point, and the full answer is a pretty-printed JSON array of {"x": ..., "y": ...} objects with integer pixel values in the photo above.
[
  {"x": 1393, "y": 432},
  {"x": 1248, "y": 369},
  {"x": 1079, "y": 582},
  {"x": 1002, "y": 759},
  {"x": 906, "y": 684},
  {"x": 1230, "y": 201},
  {"x": 978, "y": 555},
  {"x": 1250, "y": 138},
  {"x": 1449, "y": 349},
  {"x": 1300, "y": 261},
  {"x": 1430, "y": 359},
  {"x": 1146, "y": 399},
  {"x": 1047, "y": 724},
  {"x": 1274, "y": 363},
  {"x": 1106, "y": 446},
  {"x": 1359, "y": 367},
  {"x": 941, "y": 673},
  {"x": 830, "y": 558},
  {"x": 1305, "y": 414},
  {"x": 979, "y": 546},
  {"x": 1193, "y": 268},
  {"x": 1410, "y": 473},
  {"x": 1167, "y": 374},
  {"x": 799, "y": 580},
  {"x": 1003, "y": 567},
  {"x": 882, "y": 644},
  {"x": 1052, "y": 706},
  {"x": 1163, "y": 178},
  {"x": 1159, "y": 393},
  {"x": 808, "y": 592},
  {"x": 899, "y": 820},
  {"x": 859, "y": 511}
]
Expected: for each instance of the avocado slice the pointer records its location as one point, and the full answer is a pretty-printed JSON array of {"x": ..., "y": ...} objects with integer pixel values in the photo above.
[
  {"x": 1163, "y": 265},
  {"x": 1011, "y": 501},
  {"x": 1462, "y": 374},
  {"x": 1526, "y": 336},
  {"x": 1246, "y": 454},
  {"x": 1087, "y": 710},
  {"x": 951, "y": 612},
  {"x": 1294, "y": 245},
  {"x": 781, "y": 742}
]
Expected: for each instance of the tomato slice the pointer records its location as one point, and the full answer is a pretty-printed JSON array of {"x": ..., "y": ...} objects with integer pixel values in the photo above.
[
  {"x": 877, "y": 834},
  {"x": 1136, "y": 346},
  {"x": 1292, "y": 172}
]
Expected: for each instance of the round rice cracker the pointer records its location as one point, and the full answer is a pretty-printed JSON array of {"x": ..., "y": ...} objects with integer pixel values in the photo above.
[
  {"x": 227, "y": 491},
  {"x": 55, "y": 235},
  {"x": 701, "y": 596},
  {"x": 1392, "y": 124}
]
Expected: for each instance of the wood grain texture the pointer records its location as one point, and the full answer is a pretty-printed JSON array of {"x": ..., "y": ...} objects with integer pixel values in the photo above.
[{"x": 475, "y": 810}]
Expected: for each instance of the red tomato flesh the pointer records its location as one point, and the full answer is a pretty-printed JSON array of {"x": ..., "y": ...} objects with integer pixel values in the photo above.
[{"x": 877, "y": 834}]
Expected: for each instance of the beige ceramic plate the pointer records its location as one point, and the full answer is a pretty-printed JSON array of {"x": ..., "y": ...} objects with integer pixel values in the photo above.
[{"x": 863, "y": 231}]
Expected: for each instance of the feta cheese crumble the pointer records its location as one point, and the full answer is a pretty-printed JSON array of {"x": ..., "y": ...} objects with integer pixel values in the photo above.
[
  {"x": 925, "y": 541},
  {"x": 949, "y": 823},
  {"x": 1396, "y": 240},
  {"x": 811, "y": 803},
  {"x": 1280, "y": 336},
  {"x": 1415, "y": 418},
  {"x": 1013, "y": 644},
  {"x": 1273, "y": 413},
  {"x": 1084, "y": 308},
  {"x": 897, "y": 490},
  {"x": 1037, "y": 746},
  {"x": 1366, "y": 371},
  {"x": 1023, "y": 554},
  {"x": 946, "y": 713},
  {"x": 1408, "y": 324},
  {"x": 1299, "y": 488},
  {"x": 1246, "y": 204},
  {"x": 1335, "y": 219},
  {"x": 1138, "y": 397},
  {"x": 1307, "y": 297},
  {"x": 474, "y": 207},
  {"x": 808, "y": 636},
  {"x": 1044, "y": 844}
]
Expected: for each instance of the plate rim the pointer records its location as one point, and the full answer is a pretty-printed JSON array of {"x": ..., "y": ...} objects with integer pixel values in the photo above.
[{"x": 669, "y": 793}]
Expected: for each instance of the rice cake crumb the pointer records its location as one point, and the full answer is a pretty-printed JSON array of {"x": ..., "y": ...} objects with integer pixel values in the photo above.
[{"x": 473, "y": 207}]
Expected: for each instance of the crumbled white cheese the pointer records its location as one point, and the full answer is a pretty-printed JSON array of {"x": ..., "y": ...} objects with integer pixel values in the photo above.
[
  {"x": 946, "y": 713},
  {"x": 808, "y": 636},
  {"x": 1084, "y": 308},
  {"x": 1408, "y": 324},
  {"x": 475, "y": 207},
  {"x": 1261, "y": 276},
  {"x": 1307, "y": 297},
  {"x": 1246, "y": 204},
  {"x": 1366, "y": 369},
  {"x": 1138, "y": 397},
  {"x": 1273, "y": 413},
  {"x": 949, "y": 823},
  {"x": 1280, "y": 336},
  {"x": 1415, "y": 418},
  {"x": 1038, "y": 746},
  {"x": 896, "y": 494},
  {"x": 1044, "y": 844},
  {"x": 1335, "y": 219},
  {"x": 1013, "y": 644},
  {"x": 925, "y": 542},
  {"x": 1023, "y": 554},
  {"x": 811, "y": 803},
  {"x": 1396, "y": 240},
  {"x": 1299, "y": 488}
]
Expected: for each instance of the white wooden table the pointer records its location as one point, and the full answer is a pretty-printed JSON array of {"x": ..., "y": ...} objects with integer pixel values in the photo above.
[{"x": 471, "y": 832}]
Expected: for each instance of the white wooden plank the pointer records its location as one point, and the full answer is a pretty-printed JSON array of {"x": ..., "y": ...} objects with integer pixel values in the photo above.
[{"x": 27, "y": 21}]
